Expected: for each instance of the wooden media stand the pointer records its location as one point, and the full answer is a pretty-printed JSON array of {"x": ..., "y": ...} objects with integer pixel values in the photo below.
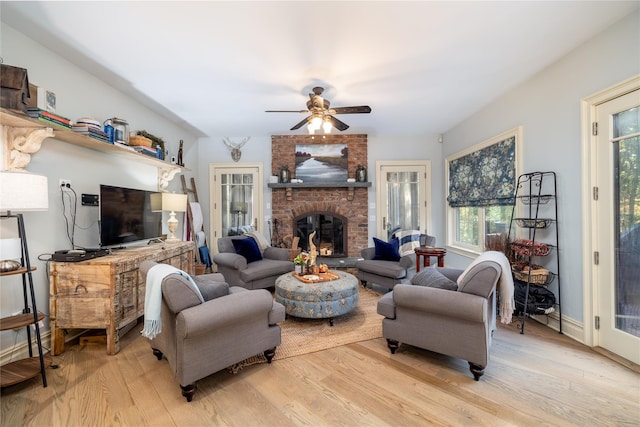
[{"x": 107, "y": 292}]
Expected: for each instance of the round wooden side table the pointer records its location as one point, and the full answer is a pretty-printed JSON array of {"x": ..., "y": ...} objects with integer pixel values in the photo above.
[{"x": 427, "y": 252}]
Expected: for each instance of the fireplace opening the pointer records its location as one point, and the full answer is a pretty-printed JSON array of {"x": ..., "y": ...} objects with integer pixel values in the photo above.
[{"x": 331, "y": 233}]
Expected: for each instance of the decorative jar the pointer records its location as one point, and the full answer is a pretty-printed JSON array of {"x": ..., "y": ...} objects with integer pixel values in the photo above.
[
  {"x": 361, "y": 174},
  {"x": 120, "y": 130},
  {"x": 285, "y": 174}
]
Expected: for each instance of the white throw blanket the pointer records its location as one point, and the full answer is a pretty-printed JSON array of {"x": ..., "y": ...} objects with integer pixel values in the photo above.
[
  {"x": 153, "y": 297},
  {"x": 409, "y": 240},
  {"x": 260, "y": 240},
  {"x": 505, "y": 282}
]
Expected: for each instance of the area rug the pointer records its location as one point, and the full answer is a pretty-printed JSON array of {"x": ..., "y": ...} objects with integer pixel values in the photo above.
[{"x": 303, "y": 336}]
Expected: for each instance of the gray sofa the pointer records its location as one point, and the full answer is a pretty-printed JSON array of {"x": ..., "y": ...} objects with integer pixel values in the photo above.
[
  {"x": 253, "y": 275},
  {"x": 389, "y": 273},
  {"x": 199, "y": 339},
  {"x": 456, "y": 323}
]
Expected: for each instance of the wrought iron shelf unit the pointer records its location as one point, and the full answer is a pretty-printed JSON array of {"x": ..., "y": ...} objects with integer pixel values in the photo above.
[
  {"x": 535, "y": 214},
  {"x": 30, "y": 318}
]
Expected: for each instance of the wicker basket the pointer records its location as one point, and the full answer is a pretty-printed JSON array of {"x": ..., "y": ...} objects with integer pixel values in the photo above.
[
  {"x": 141, "y": 141},
  {"x": 523, "y": 247},
  {"x": 538, "y": 277}
]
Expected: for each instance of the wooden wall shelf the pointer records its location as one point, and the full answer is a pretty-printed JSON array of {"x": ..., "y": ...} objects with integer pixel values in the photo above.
[{"x": 17, "y": 121}]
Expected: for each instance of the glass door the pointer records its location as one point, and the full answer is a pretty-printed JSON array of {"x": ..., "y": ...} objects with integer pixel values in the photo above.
[
  {"x": 236, "y": 199},
  {"x": 403, "y": 193},
  {"x": 618, "y": 219}
]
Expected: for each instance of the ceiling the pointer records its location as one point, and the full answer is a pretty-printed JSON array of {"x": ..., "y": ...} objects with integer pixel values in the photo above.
[{"x": 422, "y": 66}]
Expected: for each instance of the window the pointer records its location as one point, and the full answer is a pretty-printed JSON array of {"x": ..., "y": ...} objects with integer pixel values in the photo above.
[{"x": 480, "y": 193}]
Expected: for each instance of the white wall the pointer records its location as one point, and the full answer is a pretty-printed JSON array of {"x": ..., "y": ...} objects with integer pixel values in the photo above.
[
  {"x": 78, "y": 95},
  {"x": 548, "y": 108}
]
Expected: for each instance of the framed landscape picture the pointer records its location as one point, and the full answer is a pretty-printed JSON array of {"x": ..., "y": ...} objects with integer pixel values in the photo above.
[{"x": 322, "y": 162}]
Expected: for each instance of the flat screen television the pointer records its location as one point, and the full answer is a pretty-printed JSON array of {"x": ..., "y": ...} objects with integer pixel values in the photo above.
[{"x": 126, "y": 216}]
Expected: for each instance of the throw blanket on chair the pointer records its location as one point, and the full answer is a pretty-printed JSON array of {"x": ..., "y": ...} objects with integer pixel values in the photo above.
[
  {"x": 409, "y": 240},
  {"x": 153, "y": 297},
  {"x": 505, "y": 282},
  {"x": 260, "y": 240}
]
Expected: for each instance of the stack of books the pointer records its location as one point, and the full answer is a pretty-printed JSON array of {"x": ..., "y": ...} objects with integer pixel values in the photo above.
[
  {"x": 149, "y": 151},
  {"x": 91, "y": 131},
  {"x": 50, "y": 119}
]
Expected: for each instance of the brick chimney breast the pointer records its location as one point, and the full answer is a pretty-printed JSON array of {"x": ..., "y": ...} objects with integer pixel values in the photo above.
[{"x": 316, "y": 199}]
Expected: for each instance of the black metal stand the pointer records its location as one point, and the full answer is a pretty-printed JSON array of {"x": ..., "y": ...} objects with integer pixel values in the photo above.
[
  {"x": 535, "y": 190},
  {"x": 29, "y": 293}
]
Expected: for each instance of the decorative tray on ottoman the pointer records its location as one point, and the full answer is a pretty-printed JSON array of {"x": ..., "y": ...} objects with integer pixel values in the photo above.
[{"x": 316, "y": 278}]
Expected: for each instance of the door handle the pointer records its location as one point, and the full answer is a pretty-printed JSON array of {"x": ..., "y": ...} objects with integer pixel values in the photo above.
[
  {"x": 255, "y": 224},
  {"x": 384, "y": 222}
]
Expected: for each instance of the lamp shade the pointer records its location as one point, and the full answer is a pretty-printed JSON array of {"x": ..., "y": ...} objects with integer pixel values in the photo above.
[
  {"x": 169, "y": 202},
  {"x": 10, "y": 248},
  {"x": 23, "y": 191}
]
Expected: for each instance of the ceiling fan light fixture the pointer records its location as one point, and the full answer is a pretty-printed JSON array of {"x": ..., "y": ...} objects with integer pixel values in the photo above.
[
  {"x": 321, "y": 116},
  {"x": 316, "y": 122},
  {"x": 326, "y": 125}
]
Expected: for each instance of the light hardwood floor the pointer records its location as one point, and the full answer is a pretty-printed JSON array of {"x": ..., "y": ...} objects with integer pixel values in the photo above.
[{"x": 540, "y": 378}]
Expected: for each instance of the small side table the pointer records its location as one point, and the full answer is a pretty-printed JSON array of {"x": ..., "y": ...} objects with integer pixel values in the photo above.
[{"x": 427, "y": 252}]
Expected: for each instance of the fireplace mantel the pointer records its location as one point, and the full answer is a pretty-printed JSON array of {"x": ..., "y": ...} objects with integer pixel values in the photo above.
[
  {"x": 319, "y": 185},
  {"x": 350, "y": 186}
]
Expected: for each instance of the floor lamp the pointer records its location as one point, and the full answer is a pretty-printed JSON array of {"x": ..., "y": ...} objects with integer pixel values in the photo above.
[
  {"x": 20, "y": 192},
  {"x": 170, "y": 202}
]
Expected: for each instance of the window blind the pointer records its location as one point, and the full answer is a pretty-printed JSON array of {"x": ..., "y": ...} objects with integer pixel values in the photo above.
[{"x": 486, "y": 177}]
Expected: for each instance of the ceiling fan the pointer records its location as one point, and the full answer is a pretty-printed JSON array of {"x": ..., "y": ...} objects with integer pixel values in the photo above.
[{"x": 321, "y": 115}]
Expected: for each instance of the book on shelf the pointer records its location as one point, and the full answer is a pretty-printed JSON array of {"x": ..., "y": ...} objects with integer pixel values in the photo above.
[
  {"x": 37, "y": 113},
  {"x": 89, "y": 130},
  {"x": 54, "y": 116},
  {"x": 49, "y": 121},
  {"x": 100, "y": 138},
  {"x": 33, "y": 112},
  {"x": 148, "y": 151}
]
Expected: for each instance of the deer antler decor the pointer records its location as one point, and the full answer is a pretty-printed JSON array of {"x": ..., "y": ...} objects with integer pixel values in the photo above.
[{"x": 235, "y": 148}]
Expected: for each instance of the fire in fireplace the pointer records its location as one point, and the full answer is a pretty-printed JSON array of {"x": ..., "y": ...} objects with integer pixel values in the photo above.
[{"x": 331, "y": 232}]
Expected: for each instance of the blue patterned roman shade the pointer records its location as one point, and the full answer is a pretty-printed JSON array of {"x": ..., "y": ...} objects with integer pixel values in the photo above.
[{"x": 486, "y": 177}]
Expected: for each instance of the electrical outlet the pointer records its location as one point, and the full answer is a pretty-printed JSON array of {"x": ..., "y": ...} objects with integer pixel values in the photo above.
[{"x": 65, "y": 182}]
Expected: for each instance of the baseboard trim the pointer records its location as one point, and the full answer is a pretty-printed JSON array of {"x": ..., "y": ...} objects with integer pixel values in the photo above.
[
  {"x": 21, "y": 349},
  {"x": 570, "y": 327}
]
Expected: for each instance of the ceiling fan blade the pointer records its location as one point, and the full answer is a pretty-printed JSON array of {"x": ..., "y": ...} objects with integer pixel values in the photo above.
[
  {"x": 352, "y": 110},
  {"x": 286, "y": 111},
  {"x": 301, "y": 123},
  {"x": 341, "y": 126}
]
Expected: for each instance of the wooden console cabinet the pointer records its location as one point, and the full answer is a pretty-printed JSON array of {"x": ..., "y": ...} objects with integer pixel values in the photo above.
[{"x": 107, "y": 292}]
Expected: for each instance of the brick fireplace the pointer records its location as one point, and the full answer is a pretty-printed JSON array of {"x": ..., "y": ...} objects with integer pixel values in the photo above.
[{"x": 350, "y": 205}]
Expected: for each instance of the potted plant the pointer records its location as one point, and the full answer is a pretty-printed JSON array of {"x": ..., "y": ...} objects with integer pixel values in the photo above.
[{"x": 300, "y": 260}]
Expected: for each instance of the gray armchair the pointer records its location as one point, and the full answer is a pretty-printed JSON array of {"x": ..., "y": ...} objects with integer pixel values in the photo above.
[
  {"x": 199, "y": 339},
  {"x": 389, "y": 273},
  {"x": 455, "y": 323},
  {"x": 251, "y": 275}
]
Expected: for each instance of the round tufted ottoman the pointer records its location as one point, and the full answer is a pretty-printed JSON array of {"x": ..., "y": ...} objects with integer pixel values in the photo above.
[{"x": 323, "y": 300}]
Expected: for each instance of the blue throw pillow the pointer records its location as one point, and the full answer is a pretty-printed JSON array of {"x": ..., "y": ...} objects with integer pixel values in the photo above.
[
  {"x": 386, "y": 251},
  {"x": 248, "y": 248}
]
